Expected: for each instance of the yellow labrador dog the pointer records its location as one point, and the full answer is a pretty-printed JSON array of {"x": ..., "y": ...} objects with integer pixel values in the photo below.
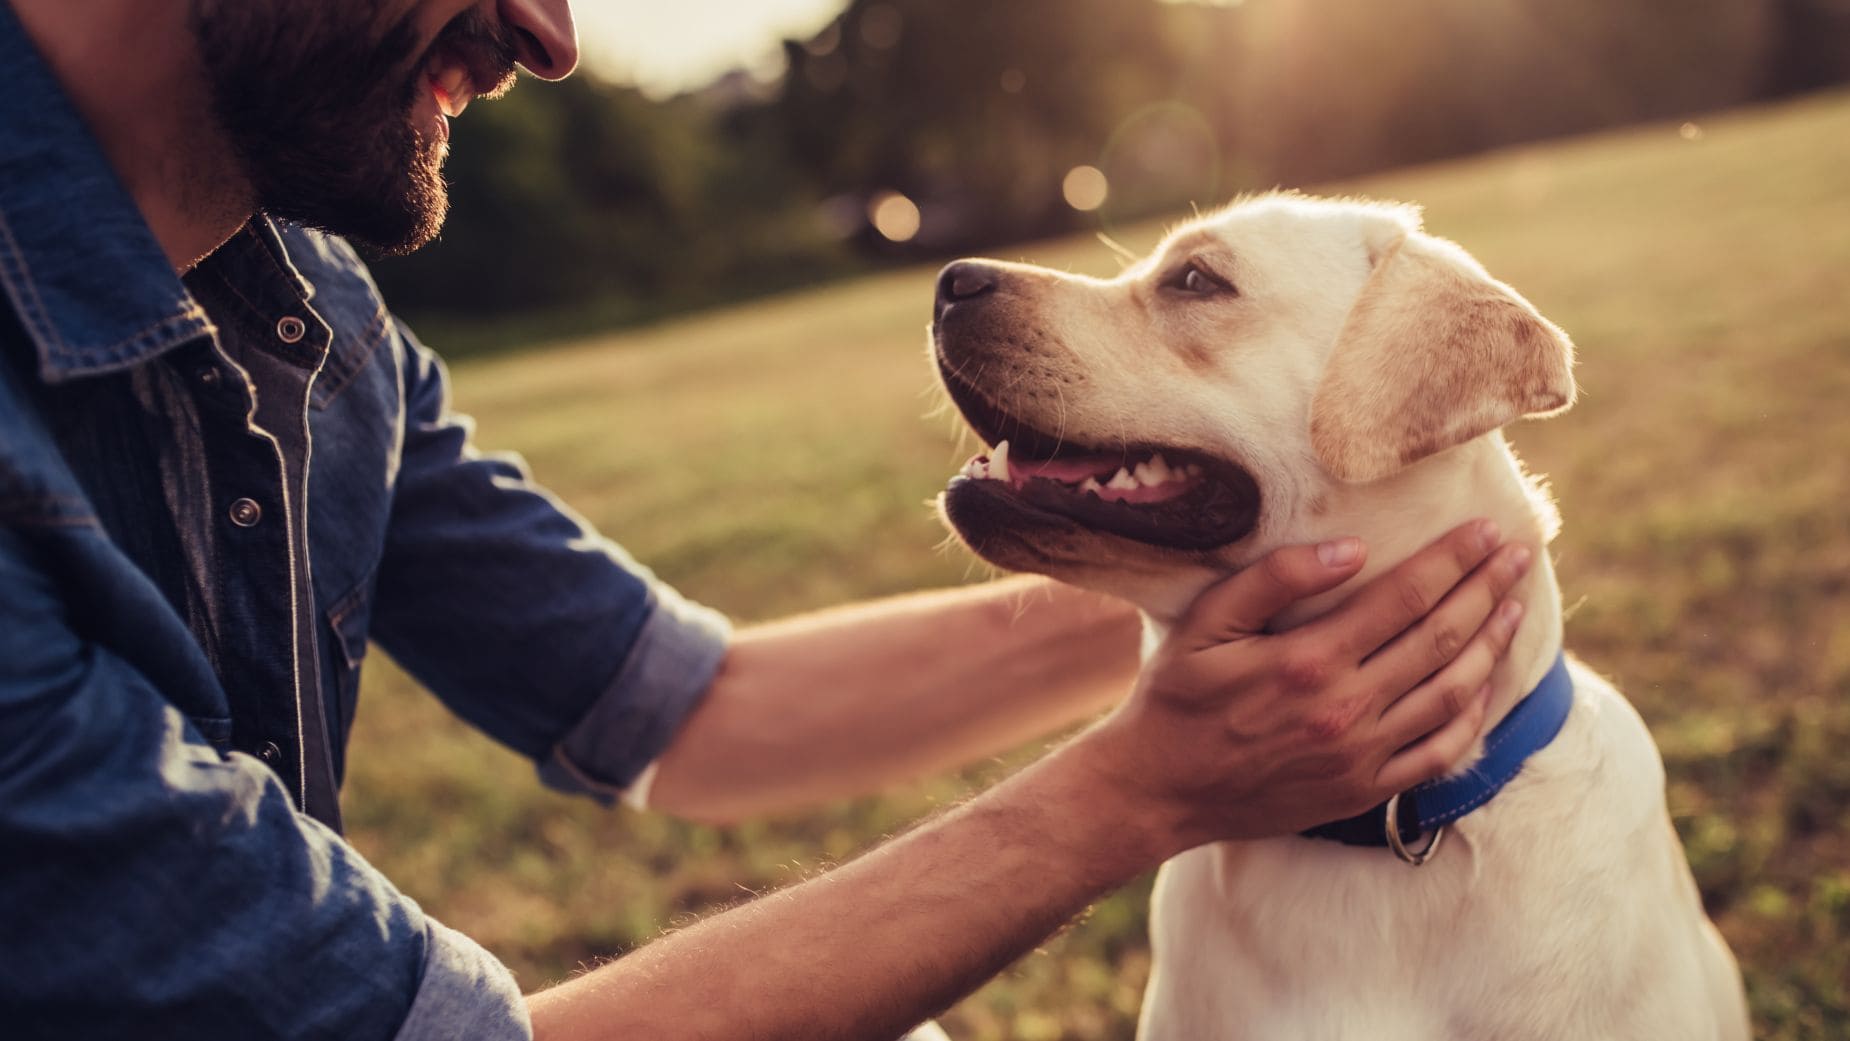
[{"x": 1290, "y": 370}]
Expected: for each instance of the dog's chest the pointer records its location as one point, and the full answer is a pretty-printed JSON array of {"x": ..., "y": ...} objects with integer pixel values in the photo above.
[{"x": 1542, "y": 894}]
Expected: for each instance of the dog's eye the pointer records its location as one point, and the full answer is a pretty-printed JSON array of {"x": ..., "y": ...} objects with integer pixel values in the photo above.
[{"x": 1196, "y": 281}]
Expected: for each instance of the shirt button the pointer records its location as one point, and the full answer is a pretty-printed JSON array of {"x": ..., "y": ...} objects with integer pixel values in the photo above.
[
  {"x": 270, "y": 753},
  {"x": 290, "y": 329},
  {"x": 245, "y": 513}
]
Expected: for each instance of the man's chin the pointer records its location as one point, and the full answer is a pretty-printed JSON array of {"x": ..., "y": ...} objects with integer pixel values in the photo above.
[
  {"x": 391, "y": 223},
  {"x": 414, "y": 232}
]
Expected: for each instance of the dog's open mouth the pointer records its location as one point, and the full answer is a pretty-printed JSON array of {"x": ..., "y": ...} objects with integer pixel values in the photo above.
[{"x": 1161, "y": 495}]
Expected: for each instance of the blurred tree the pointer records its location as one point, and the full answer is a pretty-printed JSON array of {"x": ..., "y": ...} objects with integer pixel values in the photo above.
[
  {"x": 975, "y": 108},
  {"x": 1812, "y": 48},
  {"x": 590, "y": 197},
  {"x": 583, "y": 193},
  {"x": 1339, "y": 87}
]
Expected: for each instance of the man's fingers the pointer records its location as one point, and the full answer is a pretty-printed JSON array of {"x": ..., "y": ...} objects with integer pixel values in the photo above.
[
  {"x": 1243, "y": 604},
  {"x": 1397, "y": 599},
  {"x": 1440, "y": 637},
  {"x": 1432, "y": 755},
  {"x": 1449, "y": 691}
]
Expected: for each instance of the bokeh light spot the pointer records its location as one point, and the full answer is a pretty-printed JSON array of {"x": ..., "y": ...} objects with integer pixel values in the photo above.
[
  {"x": 894, "y": 216},
  {"x": 1013, "y": 81},
  {"x": 1085, "y": 188},
  {"x": 1690, "y": 132}
]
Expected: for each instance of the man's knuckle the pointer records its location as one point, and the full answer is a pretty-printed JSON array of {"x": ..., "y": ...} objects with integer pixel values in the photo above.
[
  {"x": 1467, "y": 546},
  {"x": 1333, "y": 721},
  {"x": 1448, "y": 639},
  {"x": 1412, "y": 597},
  {"x": 1335, "y": 763},
  {"x": 1452, "y": 695},
  {"x": 1303, "y": 670}
]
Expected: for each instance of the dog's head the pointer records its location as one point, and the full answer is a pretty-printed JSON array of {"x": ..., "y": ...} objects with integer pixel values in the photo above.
[{"x": 1284, "y": 360}]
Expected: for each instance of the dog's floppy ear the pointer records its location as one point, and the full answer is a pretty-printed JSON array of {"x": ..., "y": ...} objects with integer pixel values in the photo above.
[{"x": 1434, "y": 353}]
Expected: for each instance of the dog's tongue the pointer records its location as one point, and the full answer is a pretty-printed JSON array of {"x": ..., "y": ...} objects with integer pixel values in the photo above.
[{"x": 1070, "y": 469}]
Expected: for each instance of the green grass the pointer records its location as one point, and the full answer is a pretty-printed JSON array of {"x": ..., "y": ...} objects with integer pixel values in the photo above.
[{"x": 776, "y": 456}]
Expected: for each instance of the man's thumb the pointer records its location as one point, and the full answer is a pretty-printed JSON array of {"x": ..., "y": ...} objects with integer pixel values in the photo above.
[{"x": 1243, "y": 604}]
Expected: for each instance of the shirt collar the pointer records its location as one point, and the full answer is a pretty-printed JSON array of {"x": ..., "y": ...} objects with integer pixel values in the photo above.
[{"x": 88, "y": 280}]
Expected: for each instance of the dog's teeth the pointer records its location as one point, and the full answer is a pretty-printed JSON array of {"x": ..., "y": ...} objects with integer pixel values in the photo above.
[
  {"x": 999, "y": 461},
  {"x": 1122, "y": 480},
  {"x": 1148, "y": 475},
  {"x": 1192, "y": 470},
  {"x": 1090, "y": 484},
  {"x": 1159, "y": 470}
]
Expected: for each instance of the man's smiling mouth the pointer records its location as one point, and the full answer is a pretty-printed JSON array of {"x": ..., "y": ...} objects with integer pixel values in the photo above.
[{"x": 452, "y": 87}]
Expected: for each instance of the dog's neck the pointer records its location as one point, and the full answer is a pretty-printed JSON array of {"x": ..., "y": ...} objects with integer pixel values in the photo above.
[{"x": 1398, "y": 516}]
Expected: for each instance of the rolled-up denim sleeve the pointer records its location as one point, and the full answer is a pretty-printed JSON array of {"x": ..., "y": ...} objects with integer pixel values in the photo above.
[
  {"x": 156, "y": 888},
  {"x": 522, "y": 618}
]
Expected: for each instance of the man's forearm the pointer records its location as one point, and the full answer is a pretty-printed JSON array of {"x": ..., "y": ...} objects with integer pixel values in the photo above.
[
  {"x": 871, "y": 949},
  {"x": 1223, "y": 738},
  {"x": 845, "y": 701}
]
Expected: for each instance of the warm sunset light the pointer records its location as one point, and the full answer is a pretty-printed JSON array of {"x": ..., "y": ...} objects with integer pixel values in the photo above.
[
  {"x": 865, "y": 386},
  {"x": 666, "y": 48}
]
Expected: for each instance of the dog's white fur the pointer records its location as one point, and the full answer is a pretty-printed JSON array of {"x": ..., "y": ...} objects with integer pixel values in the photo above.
[{"x": 1360, "y": 374}]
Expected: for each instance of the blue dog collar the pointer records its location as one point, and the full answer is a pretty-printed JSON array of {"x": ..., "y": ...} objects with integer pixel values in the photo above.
[{"x": 1528, "y": 729}]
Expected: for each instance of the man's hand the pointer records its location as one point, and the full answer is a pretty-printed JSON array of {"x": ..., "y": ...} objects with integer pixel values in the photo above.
[
  {"x": 1229, "y": 734},
  {"x": 1233, "y": 733}
]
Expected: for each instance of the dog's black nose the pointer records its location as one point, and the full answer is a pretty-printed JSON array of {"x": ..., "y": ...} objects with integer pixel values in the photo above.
[{"x": 964, "y": 280}]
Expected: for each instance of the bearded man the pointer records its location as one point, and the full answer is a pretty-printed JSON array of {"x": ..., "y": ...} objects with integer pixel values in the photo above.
[{"x": 225, "y": 467}]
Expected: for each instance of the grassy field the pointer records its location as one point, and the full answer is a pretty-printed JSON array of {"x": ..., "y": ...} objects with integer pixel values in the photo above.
[{"x": 776, "y": 457}]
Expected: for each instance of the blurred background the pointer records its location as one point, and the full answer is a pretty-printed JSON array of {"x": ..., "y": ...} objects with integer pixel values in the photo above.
[
  {"x": 666, "y": 180},
  {"x": 691, "y": 286}
]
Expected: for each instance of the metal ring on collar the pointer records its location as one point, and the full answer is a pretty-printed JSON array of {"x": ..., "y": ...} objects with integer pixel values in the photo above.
[{"x": 1392, "y": 827}]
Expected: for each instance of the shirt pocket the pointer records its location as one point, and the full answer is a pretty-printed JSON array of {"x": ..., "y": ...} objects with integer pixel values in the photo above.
[{"x": 348, "y": 622}]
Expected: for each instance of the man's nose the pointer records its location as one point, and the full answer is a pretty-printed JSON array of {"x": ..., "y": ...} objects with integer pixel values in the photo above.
[
  {"x": 548, "y": 41},
  {"x": 964, "y": 280}
]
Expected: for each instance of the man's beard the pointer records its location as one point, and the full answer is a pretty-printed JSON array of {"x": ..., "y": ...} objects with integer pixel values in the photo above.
[{"x": 318, "y": 105}]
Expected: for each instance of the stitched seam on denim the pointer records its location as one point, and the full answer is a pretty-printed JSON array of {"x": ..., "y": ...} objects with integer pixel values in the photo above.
[
  {"x": 343, "y": 373},
  {"x": 264, "y": 249},
  {"x": 294, "y": 278},
  {"x": 262, "y": 316},
  {"x": 624, "y": 677},
  {"x": 343, "y": 609},
  {"x": 375, "y": 331},
  {"x": 564, "y": 761},
  {"x": 127, "y": 348},
  {"x": 18, "y": 271},
  {"x": 19, "y": 281}
]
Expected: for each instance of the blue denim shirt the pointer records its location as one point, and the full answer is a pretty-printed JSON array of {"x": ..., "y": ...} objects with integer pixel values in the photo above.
[{"x": 213, "y": 492}]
